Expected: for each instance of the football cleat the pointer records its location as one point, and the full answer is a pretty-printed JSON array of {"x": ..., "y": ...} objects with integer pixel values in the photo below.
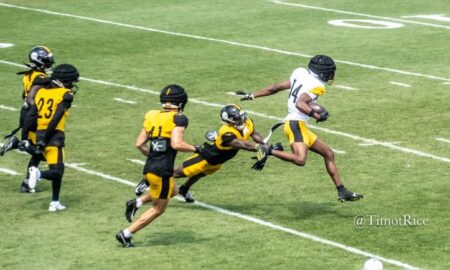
[
  {"x": 34, "y": 178},
  {"x": 130, "y": 209},
  {"x": 12, "y": 143},
  {"x": 186, "y": 194},
  {"x": 125, "y": 241},
  {"x": 141, "y": 187},
  {"x": 55, "y": 206},
  {"x": 346, "y": 195},
  {"x": 24, "y": 188}
]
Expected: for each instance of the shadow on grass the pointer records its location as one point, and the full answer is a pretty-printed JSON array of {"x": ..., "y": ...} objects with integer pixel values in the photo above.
[{"x": 168, "y": 238}]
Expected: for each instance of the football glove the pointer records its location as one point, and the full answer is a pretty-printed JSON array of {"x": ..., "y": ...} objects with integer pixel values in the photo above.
[
  {"x": 245, "y": 96},
  {"x": 24, "y": 145},
  {"x": 198, "y": 148},
  {"x": 259, "y": 165},
  {"x": 323, "y": 117}
]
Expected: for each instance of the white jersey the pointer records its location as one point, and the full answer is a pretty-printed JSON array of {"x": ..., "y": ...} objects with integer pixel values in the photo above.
[{"x": 303, "y": 81}]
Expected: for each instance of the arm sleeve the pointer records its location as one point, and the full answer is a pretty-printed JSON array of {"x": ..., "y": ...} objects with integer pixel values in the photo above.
[
  {"x": 41, "y": 80},
  {"x": 181, "y": 120},
  {"x": 29, "y": 122},
  {"x": 60, "y": 110},
  {"x": 316, "y": 92},
  {"x": 227, "y": 138}
]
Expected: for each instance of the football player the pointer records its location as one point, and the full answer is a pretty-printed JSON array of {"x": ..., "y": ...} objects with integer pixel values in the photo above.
[
  {"x": 232, "y": 136},
  {"x": 41, "y": 59},
  {"x": 49, "y": 113},
  {"x": 306, "y": 86},
  {"x": 164, "y": 130}
]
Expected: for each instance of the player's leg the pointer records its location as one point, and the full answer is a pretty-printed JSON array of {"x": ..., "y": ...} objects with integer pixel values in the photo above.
[
  {"x": 193, "y": 168},
  {"x": 326, "y": 152},
  {"x": 55, "y": 160},
  {"x": 161, "y": 189},
  {"x": 299, "y": 145},
  {"x": 34, "y": 162}
]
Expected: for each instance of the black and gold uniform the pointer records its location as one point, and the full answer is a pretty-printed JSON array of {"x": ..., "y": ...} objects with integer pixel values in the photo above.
[
  {"x": 212, "y": 156},
  {"x": 49, "y": 113},
  {"x": 158, "y": 168}
]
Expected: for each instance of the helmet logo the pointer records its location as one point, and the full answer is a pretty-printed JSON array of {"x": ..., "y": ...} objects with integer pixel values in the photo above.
[
  {"x": 34, "y": 56},
  {"x": 225, "y": 115}
]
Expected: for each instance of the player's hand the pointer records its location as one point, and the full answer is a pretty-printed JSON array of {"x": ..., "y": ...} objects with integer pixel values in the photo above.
[
  {"x": 40, "y": 145},
  {"x": 323, "y": 117},
  {"x": 245, "y": 96},
  {"x": 198, "y": 148},
  {"x": 24, "y": 145},
  {"x": 263, "y": 150},
  {"x": 259, "y": 165},
  {"x": 278, "y": 147},
  {"x": 25, "y": 105}
]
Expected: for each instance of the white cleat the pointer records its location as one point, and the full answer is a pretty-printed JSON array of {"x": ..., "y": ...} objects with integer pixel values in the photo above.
[
  {"x": 35, "y": 176},
  {"x": 56, "y": 206}
]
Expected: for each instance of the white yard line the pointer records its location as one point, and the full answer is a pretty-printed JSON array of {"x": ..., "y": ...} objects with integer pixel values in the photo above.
[
  {"x": 256, "y": 220},
  {"x": 400, "y": 84},
  {"x": 443, "y": 140},
  {"x": 223, "y": 41},
  {"x": 338, "y": 151},
  {"x": 8, "y": 108},
  {"x": 125, "y": 101},
  {"x": 361, "y": 14},
  {"x": 137, "y": 161},
  {"x": 345, "y": 87},
  {"x": 389, "y": 145},
  {"x": 9, "y": 171}
]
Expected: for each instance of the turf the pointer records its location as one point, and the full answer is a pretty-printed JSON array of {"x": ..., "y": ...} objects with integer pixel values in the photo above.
[{"x": 101, "y": 134}]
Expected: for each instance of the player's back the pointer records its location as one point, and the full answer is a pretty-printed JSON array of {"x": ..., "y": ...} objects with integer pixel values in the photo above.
[
  {"x": 47, "y": 100},
  {"x": 159, "y": 126}
]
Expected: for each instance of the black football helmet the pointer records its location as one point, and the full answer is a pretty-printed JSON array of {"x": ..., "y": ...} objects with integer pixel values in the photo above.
[
  {"x": 323, "y": 66},
  {"x": 66, "y": 74},
  {"x": 173, "y": 96},
  {"x": 234, "y": 115},
  {"x": 41, "y": 57}
]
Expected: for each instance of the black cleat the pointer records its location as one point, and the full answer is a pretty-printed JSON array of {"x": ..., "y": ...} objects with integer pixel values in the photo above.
[
  {"x": 130, "y": 209},
  {"x": 11, "y": 144},
  {"x": 141, "y": 187},
  {"x": 125, "y": 241},
  {"x": 186, "y": 194},
  {"x": 346, "y": 195}
]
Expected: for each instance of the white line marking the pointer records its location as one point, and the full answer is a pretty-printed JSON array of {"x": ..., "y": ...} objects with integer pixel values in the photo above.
[
  {"x": 362, "y": 14},
  {"x": 138, "y": 161},
  {"x": 257, "y": 221},
  {"x": 125, "y": 101},
  {"x": 443, "y": 140},
  {"x": 8, "y": 108},
  {"x": 389, "y": 145},
  {"x": 9, "y": 171},
  {"x": 436, "y": 17},
  {"x": 228, "y": 42},
  {"x": 6, "y": 45},
  {"x": 338, "y": 151},
  {"x": 345, "y": 87},
  {"x": 446, "y": 83},
  {"x": 400, "y": 84}
]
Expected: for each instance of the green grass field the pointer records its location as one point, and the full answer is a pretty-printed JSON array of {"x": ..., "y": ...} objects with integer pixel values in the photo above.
[{"x": 385, "y": 134}]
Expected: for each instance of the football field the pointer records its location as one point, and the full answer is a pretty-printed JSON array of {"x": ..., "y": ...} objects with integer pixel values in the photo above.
[{"x": 389, "y": 126}]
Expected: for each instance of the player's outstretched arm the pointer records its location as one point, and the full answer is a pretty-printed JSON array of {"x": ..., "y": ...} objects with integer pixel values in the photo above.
[
  {"x": 269, "y": 90},
  {"x": 257, "y": 137},
  {"x": 178, "y": 144}
]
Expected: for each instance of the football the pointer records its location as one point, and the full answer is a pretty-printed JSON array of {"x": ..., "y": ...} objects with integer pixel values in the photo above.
[
  {"x": 373, "y": 264},
  {"x": 317, "y": 108}
]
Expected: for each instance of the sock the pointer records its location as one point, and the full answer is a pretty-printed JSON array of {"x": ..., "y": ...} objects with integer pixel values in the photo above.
[
  {"x": 340, "y": 188},
  {"x": 127, "y": 233},
  {"x": 139, "y": 202}
]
